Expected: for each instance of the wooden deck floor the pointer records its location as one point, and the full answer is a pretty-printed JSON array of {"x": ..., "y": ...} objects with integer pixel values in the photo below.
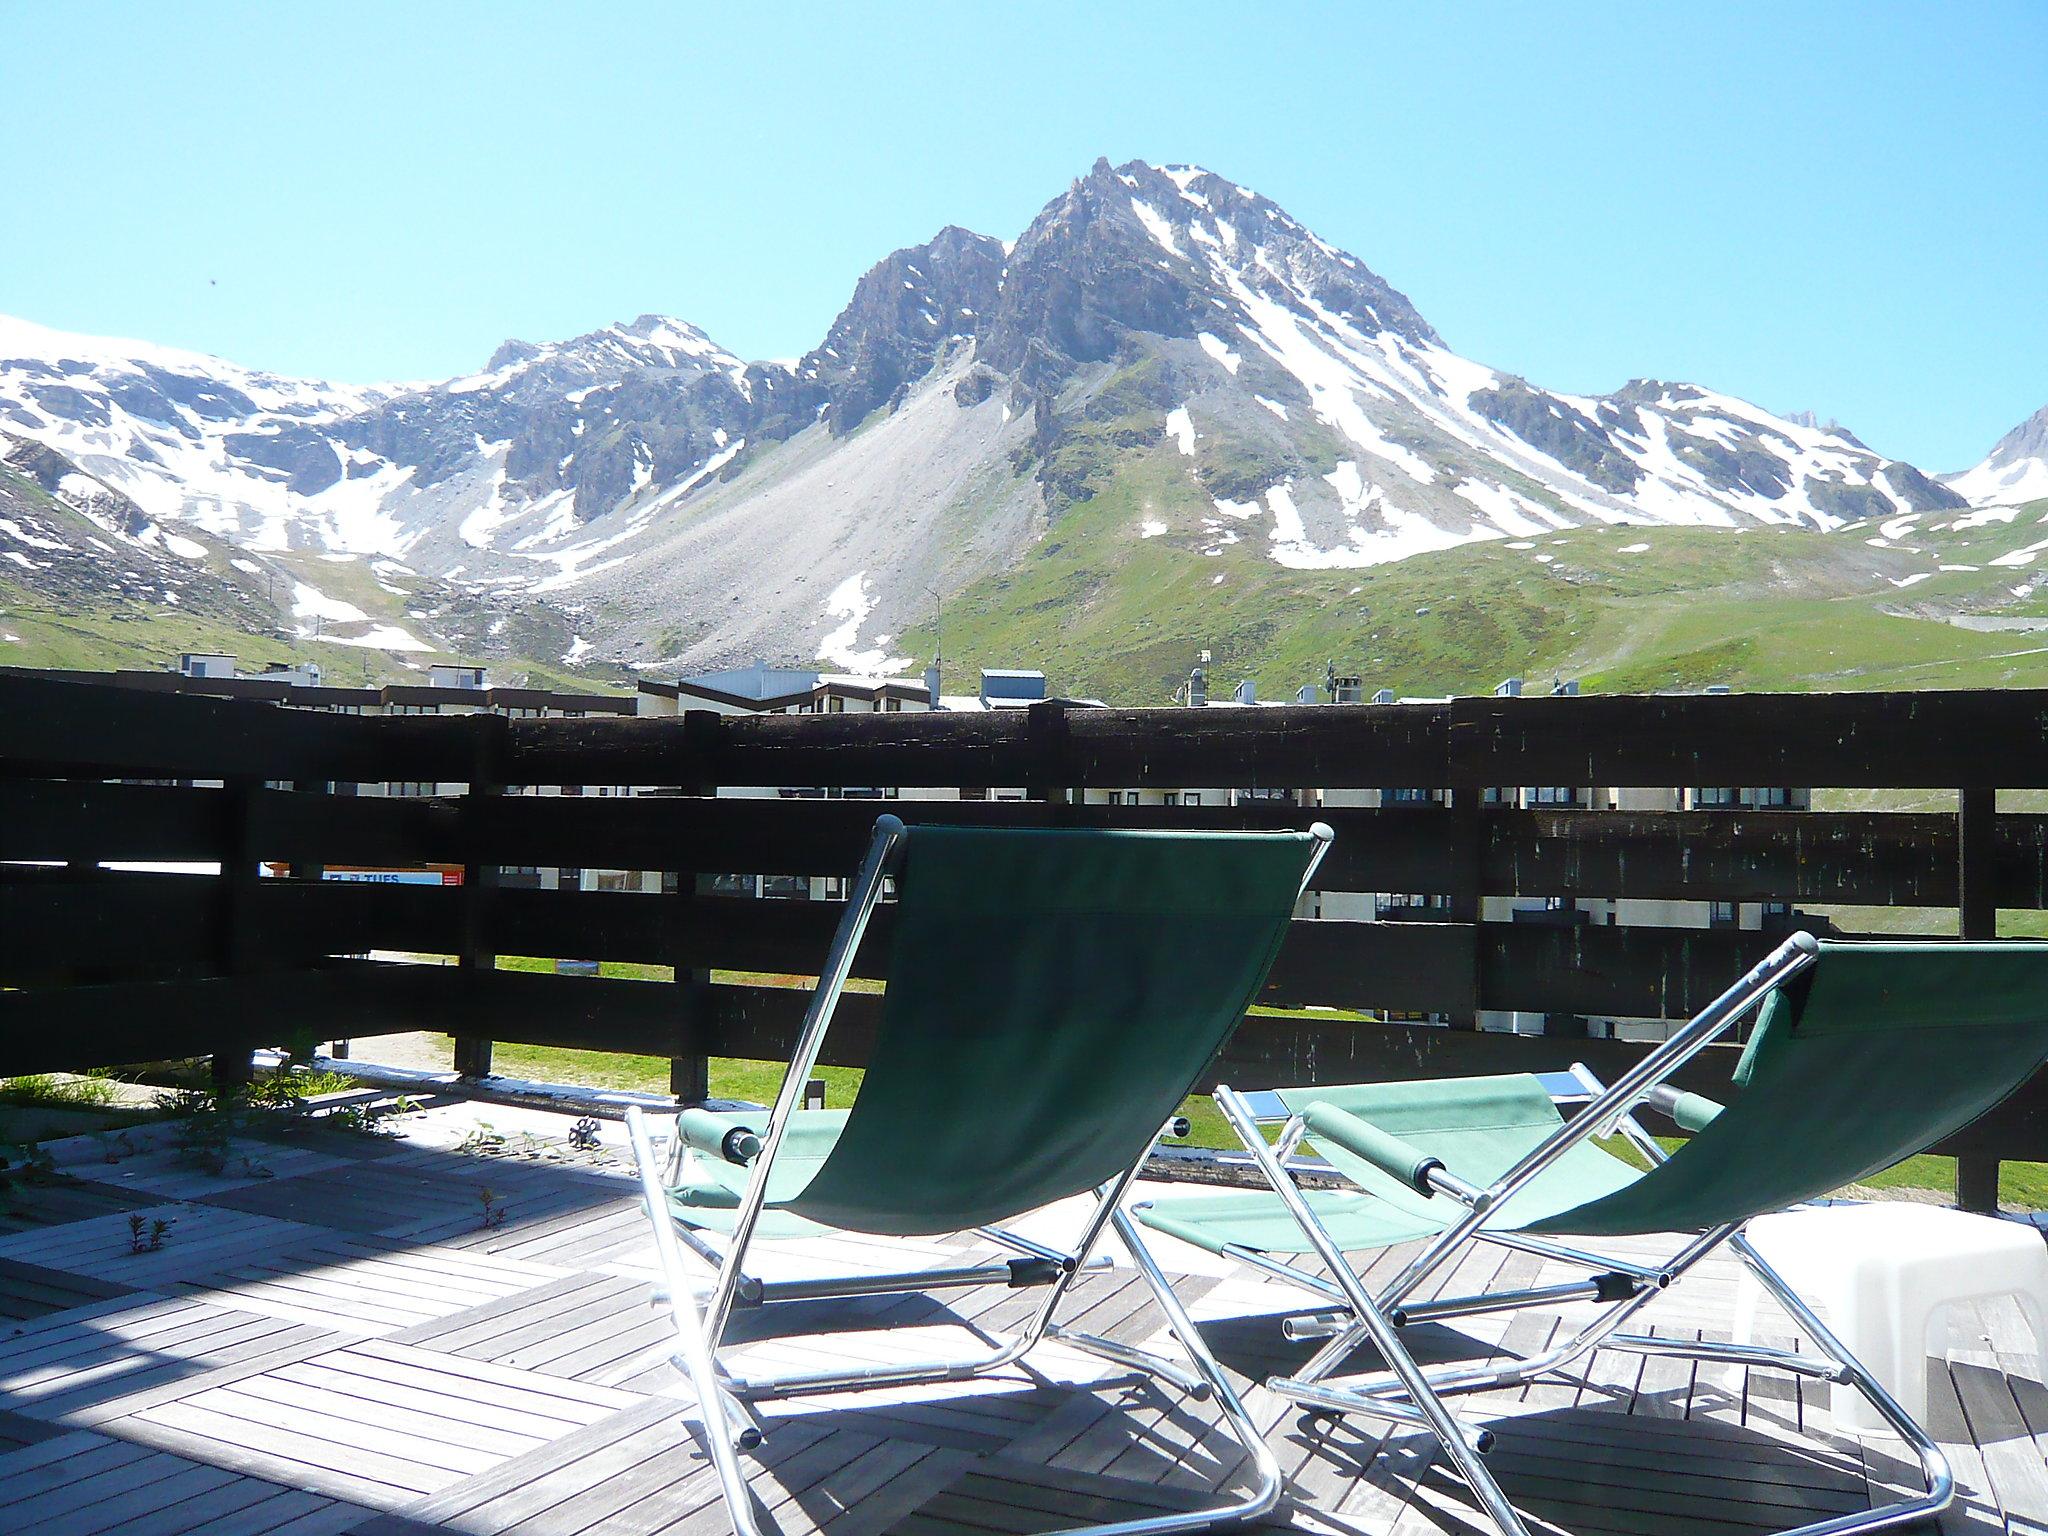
[{"x": 332, "y": 1339}]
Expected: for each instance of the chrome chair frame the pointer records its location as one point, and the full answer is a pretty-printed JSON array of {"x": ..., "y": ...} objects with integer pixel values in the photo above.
[
  {"x": 701, "y": 1317},
  {"x": 1415, "y": 1397}
]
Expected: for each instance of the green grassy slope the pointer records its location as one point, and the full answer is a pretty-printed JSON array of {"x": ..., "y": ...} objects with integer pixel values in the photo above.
[{"x": 1110, "y": 613}]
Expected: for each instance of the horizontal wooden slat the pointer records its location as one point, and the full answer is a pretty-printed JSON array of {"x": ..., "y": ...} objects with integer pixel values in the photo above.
[
  {"x": 1850, "y": 858},
  {"x": 1995, "y": 738},
  {"x": 72, "y": 729},
  {"x": 61, "y": 925}
]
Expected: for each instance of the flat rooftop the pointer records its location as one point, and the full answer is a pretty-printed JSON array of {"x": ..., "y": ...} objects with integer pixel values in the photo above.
[{"x": 339, "y": 1333}]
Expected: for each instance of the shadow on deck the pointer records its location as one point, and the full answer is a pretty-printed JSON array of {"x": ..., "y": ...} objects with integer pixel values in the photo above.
[{"x": 340, "y": 1334}]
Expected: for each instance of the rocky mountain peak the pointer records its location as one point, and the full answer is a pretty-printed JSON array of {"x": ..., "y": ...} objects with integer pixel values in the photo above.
[
  {"x": 904, "y": 311},
  {"x": 2028, "y": 440},
  {"x": 2016, "y": 468}
]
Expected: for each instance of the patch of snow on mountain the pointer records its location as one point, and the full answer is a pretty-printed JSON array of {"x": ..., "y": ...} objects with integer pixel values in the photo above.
[
  {"x": 2020, "y": 481},
  {"x": 14, "y": 530},
  {"x": 1216, "y": 349},
  {"x": 1155, "y": 226},
  {"x": 310, "y": 602},
  {"x": 1181, "y": 428},
  {"x": 382, "y": 637},
  {"x": 1399, "y": 534},
  {"x": 1507, "y": 511},
  {"x": 851, "y": 603},
  {"x": 1459, "y": 378},
  {"x": 2022, "y": 556},
  {"x": 1331, "y": 385},
  {"x": 1151, "y": 528},
  {"x": 1982, "y": 517}
]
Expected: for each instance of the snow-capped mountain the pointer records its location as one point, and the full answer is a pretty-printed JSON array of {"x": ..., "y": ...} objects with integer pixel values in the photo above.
[
  {"x": 1155, "y": 327},
  {"x": 2014, "y": 471}
]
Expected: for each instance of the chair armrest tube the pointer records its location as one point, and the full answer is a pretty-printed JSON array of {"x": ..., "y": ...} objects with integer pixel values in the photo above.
[
  {"x": 718, "y": 1135},
  {"x": 1689, "y": 1111},
  {"x": 1385, "y": 1151}
]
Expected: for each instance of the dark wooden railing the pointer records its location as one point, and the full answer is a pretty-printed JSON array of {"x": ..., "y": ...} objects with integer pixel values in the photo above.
[{"x": 108, "y": 967}]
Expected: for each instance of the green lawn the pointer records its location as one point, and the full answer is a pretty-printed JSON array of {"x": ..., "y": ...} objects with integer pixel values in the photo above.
[{"x": 2020, "y": 1184}]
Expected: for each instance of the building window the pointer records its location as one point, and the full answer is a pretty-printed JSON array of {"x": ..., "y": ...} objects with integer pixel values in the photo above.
[
  {"x": 1408, "y": 796},
  {"x": 1770, "y": 799},
  {"x": 1721, "y": 914},
  {"x": 1548, "y": 794},
  {"x": 1714, "y": 799},
  {"x": 1171, "y": 797},
  {"x": 1407, "y": 903}
]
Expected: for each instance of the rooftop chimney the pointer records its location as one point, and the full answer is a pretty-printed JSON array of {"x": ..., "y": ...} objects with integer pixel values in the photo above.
[
  {"x": 1510, "y": 688},
  {"x": 1247, "y": 692},
  {"x": 1305, "y": 694},
  {"x": 1198, "y": 688}
]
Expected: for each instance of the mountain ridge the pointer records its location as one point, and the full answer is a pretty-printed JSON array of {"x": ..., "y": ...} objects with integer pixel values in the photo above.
[{"x": 673, "y": 504}]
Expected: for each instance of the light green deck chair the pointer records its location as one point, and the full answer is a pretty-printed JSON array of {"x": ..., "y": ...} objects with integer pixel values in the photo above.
[
  {"x": 1863, "y": 1054},
  {"x": 1052, "y": 996}
]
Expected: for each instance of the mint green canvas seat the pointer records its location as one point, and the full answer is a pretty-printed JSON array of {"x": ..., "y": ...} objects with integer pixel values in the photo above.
[
  {"x": 1478, "y": 1127},
  {"x": 1881, "y": 1051},
  {"x": 1862, "y": 1054},
  {"x": 1051, "y": 998}
]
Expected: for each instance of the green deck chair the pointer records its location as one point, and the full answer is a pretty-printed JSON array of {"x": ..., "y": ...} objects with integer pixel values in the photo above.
[
  {"x": 1862, "y": 1054},
  {"x": 1052, "y": 997}
]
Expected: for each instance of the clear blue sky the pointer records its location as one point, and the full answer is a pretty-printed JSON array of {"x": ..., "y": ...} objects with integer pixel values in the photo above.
[{"x": 1836, "y": 207}]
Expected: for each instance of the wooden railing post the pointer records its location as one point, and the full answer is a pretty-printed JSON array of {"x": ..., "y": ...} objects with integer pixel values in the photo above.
[
  {"x": 479, "y": 884},
  {"x": 689, "y": 1073},
  {"x": 1977, "y": 918},
  {"x": 1045, "y": 729},
  {"x": 231, "y": 1065},
  {"x": 1466, "y": 847},
  {"x": 301, "y": 870}
]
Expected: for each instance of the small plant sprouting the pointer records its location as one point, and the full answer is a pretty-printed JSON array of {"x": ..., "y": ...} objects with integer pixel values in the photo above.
[
  {"x": 482, "y": 1141},
  {"x": 147, "y": 1236},
  {"x": 494, "y": 1211},
  {"x": 583, "y": 1135}
]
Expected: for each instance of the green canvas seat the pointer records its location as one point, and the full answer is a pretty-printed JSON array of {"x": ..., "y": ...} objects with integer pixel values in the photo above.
[
  {"x": 1883, "y": 1050},
  {"x": 1479, "y": 1127},
  {"x": 1051, "y": 998},
  {"x": 1862, "y": 1054}
]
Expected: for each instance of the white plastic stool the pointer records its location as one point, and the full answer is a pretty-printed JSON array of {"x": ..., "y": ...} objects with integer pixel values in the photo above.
[{"x": 1879, "y": 1272}]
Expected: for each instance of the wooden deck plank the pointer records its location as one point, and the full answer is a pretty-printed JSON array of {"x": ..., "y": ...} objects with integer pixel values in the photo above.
[{"x": 336, "y": 1351}]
